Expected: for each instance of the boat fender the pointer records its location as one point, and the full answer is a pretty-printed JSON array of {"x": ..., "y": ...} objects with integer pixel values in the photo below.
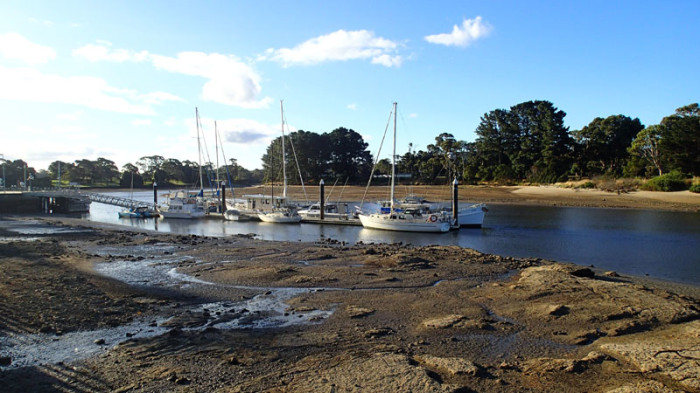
[{"x": 433, "y": 218}]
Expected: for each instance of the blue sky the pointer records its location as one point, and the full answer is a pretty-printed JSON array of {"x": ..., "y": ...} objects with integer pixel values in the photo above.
[{"x": 121, "y": 79}]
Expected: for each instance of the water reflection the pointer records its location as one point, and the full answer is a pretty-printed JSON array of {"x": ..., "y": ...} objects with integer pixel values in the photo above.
[{"x": 658, "y": 243}]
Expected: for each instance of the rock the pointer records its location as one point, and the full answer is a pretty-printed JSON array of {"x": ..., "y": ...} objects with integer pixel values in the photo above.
[
  {"x": 548, "y": 365},
  {"x": 611, "y": 274},
  {"x": 5, "y": 361},
  {"x": 644, "y": 387},
  {"x": 358, "y": 312},
  {"x": 100, "y": 341},
  {"x": 673, "y": 353},
  {"x": 558, "y": 310},
  {"x": 379, "y": 372},
  {"x": 378, "y": 332},
  {"x": 595, "y": 357},
  {"x": 452, "y": 366},
  {"x": 444, "y": 322},
  {"x": 583, "y": 272}
]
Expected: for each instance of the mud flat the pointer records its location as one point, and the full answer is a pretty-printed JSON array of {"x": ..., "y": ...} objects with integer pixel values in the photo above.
[{"x": 89, "y": 307}]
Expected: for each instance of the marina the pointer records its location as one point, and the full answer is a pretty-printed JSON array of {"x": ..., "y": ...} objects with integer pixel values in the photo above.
[{"x": 660, "y": 244}]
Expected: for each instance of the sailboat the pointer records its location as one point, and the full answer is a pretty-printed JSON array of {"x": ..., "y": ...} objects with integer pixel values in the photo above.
[
  {"x": 281, "y": 212},
  {"x": 182, "y": 204},
  {"x": 409, "y": 219}
]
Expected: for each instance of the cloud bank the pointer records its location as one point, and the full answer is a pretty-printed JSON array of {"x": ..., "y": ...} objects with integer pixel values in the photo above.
[
  {"x": 229, "y": 80},
  {"x": 462, "y": 36},
  {"x": 340, "y": 45}
]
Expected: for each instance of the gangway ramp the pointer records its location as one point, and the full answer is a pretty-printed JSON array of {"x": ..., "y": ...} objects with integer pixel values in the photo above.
[{"x": 117, "y": 201}]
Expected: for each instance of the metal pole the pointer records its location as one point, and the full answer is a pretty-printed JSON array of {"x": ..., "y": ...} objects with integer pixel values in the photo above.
[
  {"x": 155, "y": 194},
  {"x": 323, "y": 199},
  {"x": 223, "y": 198},
  {"x": 455, "y": 202}
]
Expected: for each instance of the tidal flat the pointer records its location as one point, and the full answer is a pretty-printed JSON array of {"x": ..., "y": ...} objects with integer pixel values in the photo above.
[{"x": 94, "y": 307}]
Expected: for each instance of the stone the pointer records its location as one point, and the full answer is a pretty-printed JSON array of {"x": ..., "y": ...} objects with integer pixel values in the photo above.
[
  {"x": 452, "y": 366},
  {"x": 358, "y": 312}
]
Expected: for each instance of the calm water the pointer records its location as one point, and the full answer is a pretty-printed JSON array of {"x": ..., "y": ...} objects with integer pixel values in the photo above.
[{"x": 660, "y": 244}]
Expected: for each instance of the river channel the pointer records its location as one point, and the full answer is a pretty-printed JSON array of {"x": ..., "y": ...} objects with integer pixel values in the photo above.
[{"x": 660, "y": 244}]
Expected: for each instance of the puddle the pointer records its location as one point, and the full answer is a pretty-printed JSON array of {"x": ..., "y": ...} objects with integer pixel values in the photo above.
[
  {"x": 267, "y": 309},
  {"x": 33, "y": 227},
  {"x": 36, "y": 349}
]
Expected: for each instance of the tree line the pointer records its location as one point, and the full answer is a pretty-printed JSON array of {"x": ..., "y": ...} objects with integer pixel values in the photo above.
[{"x": 529, "y": 142}]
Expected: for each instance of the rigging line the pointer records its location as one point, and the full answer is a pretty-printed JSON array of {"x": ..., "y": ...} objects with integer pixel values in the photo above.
[
  {"x": 332, "y": 188},
  {"x": 206, "y": 151},
  {"x": 296, "y": 161},
  {"x": 376, "y": 160},
  {"x": 342, "y": 189},
  {"x": 228, "y": 175}
]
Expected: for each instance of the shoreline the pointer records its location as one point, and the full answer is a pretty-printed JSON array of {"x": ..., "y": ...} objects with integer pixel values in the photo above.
[
  {"x": 367, "y": 317},
  {"x": 549, "y": 195}
]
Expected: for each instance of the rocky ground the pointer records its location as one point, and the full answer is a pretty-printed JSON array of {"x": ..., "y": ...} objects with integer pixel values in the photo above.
[{"x": 360, "y": 318}]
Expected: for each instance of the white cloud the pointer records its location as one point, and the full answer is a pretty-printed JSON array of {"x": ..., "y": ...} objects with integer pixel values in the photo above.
[
  {"x": 470, "y": 31},
  {"x": 246, "y": 131},
  {"x": 15, "y": 46},
  {"x": 229, "y": 80},
  {"x": 102, "y": 52},
  {"x": 141, "y": 122},
  {"x": 70, "y": 116},
  {"x": 352, "y": 107},
  {"x": 339, "y": 46},
  {"x": 25, "y": 84}
]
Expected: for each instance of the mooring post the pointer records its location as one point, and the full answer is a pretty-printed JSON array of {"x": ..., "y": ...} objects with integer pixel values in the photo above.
[
  {"x": 223, "y": 198},
  {"x": 155, "y": 194},
  {"x": 323, "y": 199},
  {"x": 455, "y": 202}
]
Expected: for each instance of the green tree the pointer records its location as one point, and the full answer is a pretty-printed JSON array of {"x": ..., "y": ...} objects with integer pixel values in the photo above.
[
  {"x": 602, "y": 145},
  {"x": 105, "y": 171},
  {"x": 529, "y": 141},
  {"x": 171, "y": 171},
  {"x": 149, "y": 165},
  {"x": 545, "y": 143},
  {"x": 680, "y": 144},
  {"x": 645, "y": 150},
  {"x": 349, "y": 158},
  {"x": 65, "y": 168},
  {"x": 130, "y": 173}
]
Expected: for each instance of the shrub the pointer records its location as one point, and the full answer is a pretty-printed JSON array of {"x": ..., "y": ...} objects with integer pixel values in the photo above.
[
  {"x": 672, "y": 181},
  {"x": 695, "y": 188}
]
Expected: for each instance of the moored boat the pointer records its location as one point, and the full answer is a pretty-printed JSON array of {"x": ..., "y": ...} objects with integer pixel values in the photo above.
[
  {"x": 138, "y": 212},
  {"x": 406, "y": 220}
]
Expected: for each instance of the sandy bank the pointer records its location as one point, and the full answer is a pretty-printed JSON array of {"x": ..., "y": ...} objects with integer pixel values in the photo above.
[{"x": 533, "y": 195}]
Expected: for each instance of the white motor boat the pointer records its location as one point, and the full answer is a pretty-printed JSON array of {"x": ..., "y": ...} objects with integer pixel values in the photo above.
[{"x": 180, "y": 205}]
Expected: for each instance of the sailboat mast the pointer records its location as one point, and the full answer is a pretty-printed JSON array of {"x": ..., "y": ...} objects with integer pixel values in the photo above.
[
  {"x": 216, "y": 144},
  {"x": 284, "y": 161},
  {"x": 393, "y": 162},
  {"x": 199, "y": 151}
]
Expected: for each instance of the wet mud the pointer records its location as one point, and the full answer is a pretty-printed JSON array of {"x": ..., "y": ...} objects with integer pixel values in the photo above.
[{"x": 88, "y": 307}]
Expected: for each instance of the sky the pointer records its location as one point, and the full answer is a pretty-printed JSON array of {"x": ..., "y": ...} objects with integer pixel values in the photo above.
[{"x": 121, "y": 79}]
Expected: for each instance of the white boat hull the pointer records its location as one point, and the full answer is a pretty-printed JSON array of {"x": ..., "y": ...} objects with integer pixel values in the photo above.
[
  {"x": 280, "y": 218},
  {"x": 182, "y": 215},
  {"x": 472, "y": 216},
  {"x": 235, "y": 215},
  {"x": 390, "y": 222}
]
